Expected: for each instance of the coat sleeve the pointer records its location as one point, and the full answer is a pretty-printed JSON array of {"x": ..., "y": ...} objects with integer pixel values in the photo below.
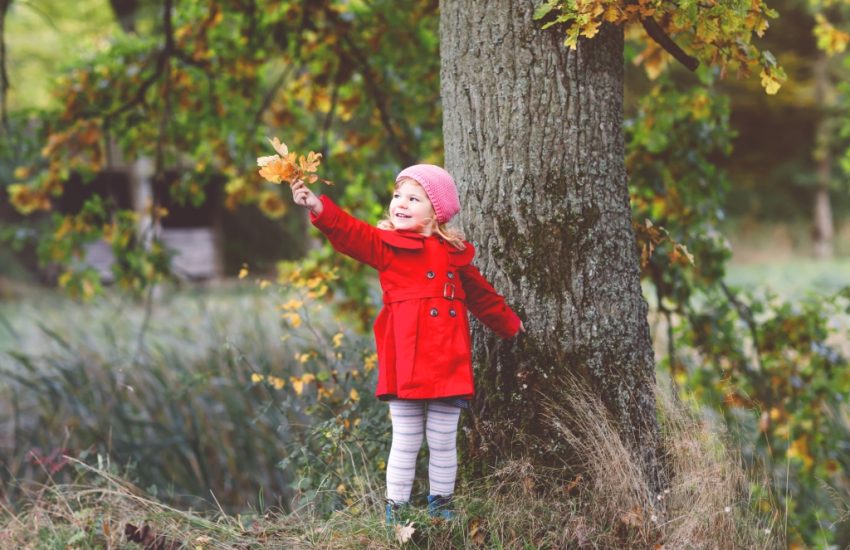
[
  {"x": 486, "y": 304},
  {"x": 351, "y": 236}
]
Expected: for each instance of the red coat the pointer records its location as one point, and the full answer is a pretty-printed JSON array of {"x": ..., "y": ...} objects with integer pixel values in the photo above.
[{"x": 422, "y": 332}]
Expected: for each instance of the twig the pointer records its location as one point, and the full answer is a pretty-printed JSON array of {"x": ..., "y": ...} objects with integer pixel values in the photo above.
[
  {"x": 140, "y": 341},
  {"x": 162, "y": 58},
  {"x": 329, "y": 117},
  {"x": 747, "y": 316},
  {"x": 267, "y": 99}
]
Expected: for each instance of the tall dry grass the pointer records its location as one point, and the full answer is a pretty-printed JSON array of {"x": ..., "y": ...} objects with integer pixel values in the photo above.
[{"x": 709, "y": 500}]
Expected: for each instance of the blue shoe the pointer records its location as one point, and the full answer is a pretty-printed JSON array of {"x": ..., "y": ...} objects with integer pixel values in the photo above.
[
  {"x": 440, "y": 506},
  {"x": 396, "y": 511}
]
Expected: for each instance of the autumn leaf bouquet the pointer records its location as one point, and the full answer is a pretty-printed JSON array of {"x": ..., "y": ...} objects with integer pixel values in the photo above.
[{"x": 289, "y": 166}]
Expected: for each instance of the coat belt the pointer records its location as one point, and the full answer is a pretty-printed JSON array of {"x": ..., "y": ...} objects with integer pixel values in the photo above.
[{"x": 449, "y": 291}]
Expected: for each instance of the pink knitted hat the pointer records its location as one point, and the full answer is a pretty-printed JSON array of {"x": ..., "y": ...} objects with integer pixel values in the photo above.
[{"x": 438, "y": 185}]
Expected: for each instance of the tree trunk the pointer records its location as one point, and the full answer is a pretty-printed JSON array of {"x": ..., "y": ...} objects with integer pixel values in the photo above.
[
  {"x": 533, "y": 136},
  {"x": 822, "y": 230},
  {"x": 4, "y": 75}
]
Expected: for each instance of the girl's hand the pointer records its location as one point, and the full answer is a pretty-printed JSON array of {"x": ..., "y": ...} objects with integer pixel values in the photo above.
[{"x": 302, "y": 196}]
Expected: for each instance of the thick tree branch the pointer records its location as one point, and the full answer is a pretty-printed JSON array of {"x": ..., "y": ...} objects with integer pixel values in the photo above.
[
  {"x": 125, "y": 13},
  {"x": 653, "y": 29},
  {"x": 381, "y": 102}
]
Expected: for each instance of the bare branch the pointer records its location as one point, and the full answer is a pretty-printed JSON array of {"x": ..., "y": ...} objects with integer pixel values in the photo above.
[{"x": 653, "y": 29}]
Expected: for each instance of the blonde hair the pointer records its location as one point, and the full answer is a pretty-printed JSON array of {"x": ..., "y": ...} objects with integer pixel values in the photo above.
[{"x": 453, "y": 235}]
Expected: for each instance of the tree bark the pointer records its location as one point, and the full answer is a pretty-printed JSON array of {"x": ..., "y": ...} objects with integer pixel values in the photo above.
[{"x": 533, "y": 136}]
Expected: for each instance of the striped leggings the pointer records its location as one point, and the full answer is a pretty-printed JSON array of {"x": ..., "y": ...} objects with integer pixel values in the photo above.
[{"x": 439, "y": 423}]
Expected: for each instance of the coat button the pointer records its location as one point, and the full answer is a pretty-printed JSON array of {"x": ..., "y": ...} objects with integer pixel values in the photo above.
[
  {"x": 433, "y": 312},
  {"x": 430, "y": 275},
  {"x": 451, "y": 275},
  {"x": 452, "y": 312}
]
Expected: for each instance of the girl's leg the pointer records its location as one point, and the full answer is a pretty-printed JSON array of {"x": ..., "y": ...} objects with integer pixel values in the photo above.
[
  {"x": 441, "y": 431},
  {"x": 408, "y": 419}
]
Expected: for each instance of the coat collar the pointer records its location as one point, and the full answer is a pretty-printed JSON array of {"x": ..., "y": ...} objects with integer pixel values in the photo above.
[
  {"x": 403, "y": 239},
  {"x": 409, "y": 240}
]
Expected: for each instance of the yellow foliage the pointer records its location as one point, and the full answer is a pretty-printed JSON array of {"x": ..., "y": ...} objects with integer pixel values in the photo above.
[
  {"x": 800, "y": 449},
  {"x": 354, "y": 395},
  {"x": 337, "y": 339},
  {"x": 829, "y": 39},
  {"x": 271, "y": 204},
  {"x": 243, "y": 272},
  {"x": 26, "y": 199},
  {"x": 257, "y": 378}
]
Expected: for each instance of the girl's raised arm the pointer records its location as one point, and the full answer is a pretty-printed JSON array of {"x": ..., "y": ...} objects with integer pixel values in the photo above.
[{"x": 346, "y": 233}]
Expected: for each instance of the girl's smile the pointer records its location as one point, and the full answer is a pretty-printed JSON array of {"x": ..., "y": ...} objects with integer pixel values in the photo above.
[{"x": 410, "y": 209}]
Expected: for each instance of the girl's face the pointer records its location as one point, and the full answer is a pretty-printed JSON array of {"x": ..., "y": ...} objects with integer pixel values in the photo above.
[{"x": 411, "y": 210}]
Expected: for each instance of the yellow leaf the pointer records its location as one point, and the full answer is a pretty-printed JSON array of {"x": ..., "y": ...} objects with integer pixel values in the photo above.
[
  {"x": 276, "y": 382},
  {"x": 770, "y": 84},
  {"x": 293, "y": 318},
  {"x": 612, "y": 13},
  {"x": 337, "y": 339},
  {"x": 292, "y": 304},
  {"x": 591, "y": 29},
  {"x": 265, "y": 161},
  {"x": 403, "y": 533},
  {"x": 243, "y": 272},
  {"x": 298, "y": 383},
  {"x": 264, "y": 283},
  {"x": 370, "y": 362},
  {"x": 280, "y": 147},
  {"x": 354, "y": 396},
  {"x": 256, "y": 378},
  {"x": 633, "y": 517}
]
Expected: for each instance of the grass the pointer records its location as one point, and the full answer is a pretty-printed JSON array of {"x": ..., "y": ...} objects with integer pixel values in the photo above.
[
  {"x": 709, "y": 503},
  {"x": 179, "y": 406}
]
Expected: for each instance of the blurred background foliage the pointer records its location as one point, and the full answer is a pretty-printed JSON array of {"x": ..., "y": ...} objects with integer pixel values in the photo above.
[{"x": 260, "y": 392}]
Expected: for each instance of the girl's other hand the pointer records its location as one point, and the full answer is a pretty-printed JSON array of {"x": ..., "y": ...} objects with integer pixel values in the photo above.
[{"x": 302, "y": 196}]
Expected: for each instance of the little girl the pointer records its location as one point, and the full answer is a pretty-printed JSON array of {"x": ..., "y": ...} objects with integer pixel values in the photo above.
[{"x": 422, "y": 332}]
